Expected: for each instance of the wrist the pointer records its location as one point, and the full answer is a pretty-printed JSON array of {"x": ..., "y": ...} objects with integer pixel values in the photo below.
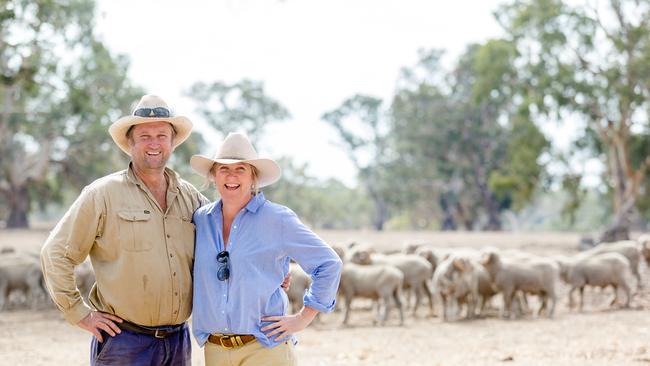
[{"x": 308, "y": 313}]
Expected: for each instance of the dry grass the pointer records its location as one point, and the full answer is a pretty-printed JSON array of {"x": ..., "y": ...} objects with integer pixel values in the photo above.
[{"x": 599, "y": 336}]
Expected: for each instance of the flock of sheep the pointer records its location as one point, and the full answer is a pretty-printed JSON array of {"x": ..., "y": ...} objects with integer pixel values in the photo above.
[
  {"x": 21, "y": 280},
  {"x": 466, "y": 280}
]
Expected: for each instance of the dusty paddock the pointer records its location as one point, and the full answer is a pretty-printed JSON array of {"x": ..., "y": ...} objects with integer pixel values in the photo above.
[{"x": 598, "y": 336}]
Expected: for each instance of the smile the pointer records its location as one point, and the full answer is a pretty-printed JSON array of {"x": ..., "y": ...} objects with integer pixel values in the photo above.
[{"x": 231, "y": 186}]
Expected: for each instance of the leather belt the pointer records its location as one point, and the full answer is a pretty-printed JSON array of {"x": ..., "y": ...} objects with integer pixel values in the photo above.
[
  {"x": 158, "y": 333},
  {"x": 228, "y": 341}
]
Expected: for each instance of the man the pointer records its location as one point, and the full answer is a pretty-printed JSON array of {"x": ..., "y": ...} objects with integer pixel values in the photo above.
[{"x": 136, "y": 226}]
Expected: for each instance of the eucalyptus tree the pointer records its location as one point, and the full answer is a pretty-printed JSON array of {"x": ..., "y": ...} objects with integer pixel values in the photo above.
[
  {"x": 363, "y": 129},
  {"x": 243, "y": 105},
  {"x": 59, "y": 89},
  {"x": 467, "y": 135},
  {"x": 588, "y": 63}
]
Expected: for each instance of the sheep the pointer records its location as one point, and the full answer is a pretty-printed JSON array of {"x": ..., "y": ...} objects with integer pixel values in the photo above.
[
  {"x": 628, "y": 248},
  {"x": 377, "y": 282},
  {"x": 600, "y": 270},
  {"x": 339, "y": 250},
  {"x": 300, "y": 282},
  {"x": 455, "y": 281},
  {"x": 416, "y": 270},
  {"x": 429, "y": 255},
  {"x": 535, "y": 275},
  {"x": 412, "y": 247},
  {"x": 644, "y": 244},
  {"x": 21, "y": 271}
]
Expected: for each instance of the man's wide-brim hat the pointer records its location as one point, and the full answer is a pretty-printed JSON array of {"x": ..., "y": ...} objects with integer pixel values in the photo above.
[
  {"x": 150, "y": 108},
  {"x": 237, "y": 148}
]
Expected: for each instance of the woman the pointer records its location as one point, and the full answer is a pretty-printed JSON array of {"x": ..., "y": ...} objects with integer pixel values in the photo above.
[{"x": 244, "y": 244}]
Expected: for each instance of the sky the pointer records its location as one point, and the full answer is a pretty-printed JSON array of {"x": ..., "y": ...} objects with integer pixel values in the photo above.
[{"x": 311, "y": 55}]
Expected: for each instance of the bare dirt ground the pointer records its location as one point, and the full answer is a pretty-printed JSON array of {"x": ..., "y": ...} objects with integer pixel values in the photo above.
[{"x": 598, "y": 336}]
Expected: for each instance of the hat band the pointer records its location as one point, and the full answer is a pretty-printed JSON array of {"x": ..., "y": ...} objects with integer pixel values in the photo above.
[
  {"x": 157, "y": 112},
  {"x": 231, "y": 158}
]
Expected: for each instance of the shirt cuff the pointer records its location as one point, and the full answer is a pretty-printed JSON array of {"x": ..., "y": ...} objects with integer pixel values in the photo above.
[
  {"x": 310, "y": 301},
  {"x": 76, "y": 313}
]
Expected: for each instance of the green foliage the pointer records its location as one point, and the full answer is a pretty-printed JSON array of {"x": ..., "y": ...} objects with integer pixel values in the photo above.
[
  {"x": 240, "y": 106},
  {"x": 518, "y": 179},
  {"x": 591, "y": 60},
  {"x": 363, "y": 130},
  {"x": 466, "y": 137},
  {"x": 60, "y": 89}
]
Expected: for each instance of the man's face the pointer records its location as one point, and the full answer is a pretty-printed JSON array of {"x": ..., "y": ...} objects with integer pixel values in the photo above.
[{"x": 150, "y": 145}]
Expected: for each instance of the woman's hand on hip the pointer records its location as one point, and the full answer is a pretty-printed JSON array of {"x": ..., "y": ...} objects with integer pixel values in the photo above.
[{"x": 286, "y": 325}]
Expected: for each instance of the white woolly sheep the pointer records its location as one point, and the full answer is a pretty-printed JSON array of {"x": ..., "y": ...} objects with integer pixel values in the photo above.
[
  {"x": 416, "y": 270},
  {"x": 535, "y": 276},
  {"x": 376, "y": 282},
  {"x": 602, "y": 270},
  {"x": 628, "y": 248}
]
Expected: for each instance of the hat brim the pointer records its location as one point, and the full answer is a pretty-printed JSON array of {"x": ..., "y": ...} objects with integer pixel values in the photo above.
[
  {"x": 182, "y": 125},
  {"x": 268, "y": 170}
]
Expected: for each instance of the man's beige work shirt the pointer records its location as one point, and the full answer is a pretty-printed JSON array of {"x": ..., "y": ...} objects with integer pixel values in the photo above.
[{"x": 142, "y": 256}]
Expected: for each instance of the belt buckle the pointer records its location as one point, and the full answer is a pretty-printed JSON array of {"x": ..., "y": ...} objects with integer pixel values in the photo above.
[
  {"x": 162, "y": 333},
  {"x": 235, "y": 341},
  {"x": 221, "y": 339}
]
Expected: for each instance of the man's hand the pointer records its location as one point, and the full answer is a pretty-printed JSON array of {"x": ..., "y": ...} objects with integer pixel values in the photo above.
[
  {"x": 284, "y": 326},
  {"x": 286, "y": 282},
  {"x": 95, "y": 321}
]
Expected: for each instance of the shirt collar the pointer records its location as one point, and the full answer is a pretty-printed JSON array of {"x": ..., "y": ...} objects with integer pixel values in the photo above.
[
  {"x": 256, "y": 202},
  {"x": 172, "y": 177}
]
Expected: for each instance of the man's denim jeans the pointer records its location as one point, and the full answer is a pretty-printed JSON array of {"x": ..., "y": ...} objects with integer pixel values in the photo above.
[{"x": 129, "y": 348}]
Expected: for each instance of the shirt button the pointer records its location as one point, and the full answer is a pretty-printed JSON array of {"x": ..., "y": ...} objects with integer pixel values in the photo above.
[
  {"x": 171, "y": 255},
  {"x": 169, "y": 236},
  {"x": 175, "y": 311},
  {"x": 225, "y": 328},
  {"x": 174, "y": 274},
  {"x": 175, "y": 293},
  {"x": 234, "y": 227}
]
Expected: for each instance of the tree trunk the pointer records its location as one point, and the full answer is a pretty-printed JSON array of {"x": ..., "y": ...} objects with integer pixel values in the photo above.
[
  {"x": 489, "y": 202},
  {"x": 381, "y": 213},
  {"x": 626, "y": 183},
  {"x": 448, "y": 221},
  {"x": 18, "y": 200},
  {"x": 467, "y": 220},
  {"x": 494, "y": 221}
]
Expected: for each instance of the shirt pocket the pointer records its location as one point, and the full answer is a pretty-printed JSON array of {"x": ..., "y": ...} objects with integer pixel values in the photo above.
[
  {"x": 186, "y": 235},
  {"x": 135, "y": 235}
]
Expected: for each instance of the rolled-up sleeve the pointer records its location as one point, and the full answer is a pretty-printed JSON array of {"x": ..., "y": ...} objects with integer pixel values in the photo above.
[
  {"x": 316, "y": 258},
  {"x": 67, "y": 246}
]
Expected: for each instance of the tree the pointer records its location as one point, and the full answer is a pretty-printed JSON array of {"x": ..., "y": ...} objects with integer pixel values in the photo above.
[
  {"x": 467, "y": 133},
  {"x": 59, "y": 88},
  {"x": 591, "y": 62},
  {"x": 363, "y": 130},
  {"x": 240, "y": 106},
  {"x": 321, "y": 204}
]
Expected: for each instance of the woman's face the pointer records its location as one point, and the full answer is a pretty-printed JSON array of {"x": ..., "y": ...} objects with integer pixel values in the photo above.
[{"x": 234, "y": 181}]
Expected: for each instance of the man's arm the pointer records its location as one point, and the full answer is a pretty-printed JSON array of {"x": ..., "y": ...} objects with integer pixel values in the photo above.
[{"x": 66, "y": 247}]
